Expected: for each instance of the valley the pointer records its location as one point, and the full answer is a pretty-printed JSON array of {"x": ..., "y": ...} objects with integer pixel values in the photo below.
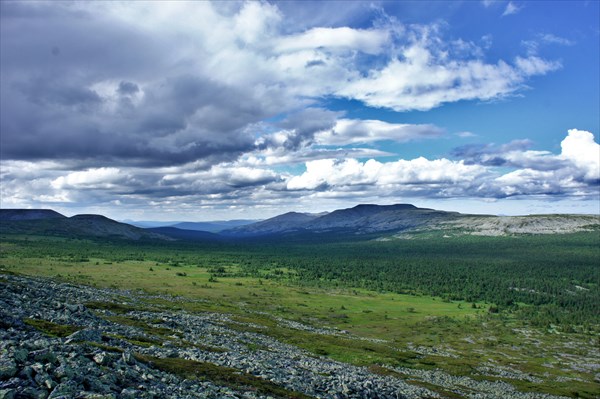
[{"x": 433, "y": 315}]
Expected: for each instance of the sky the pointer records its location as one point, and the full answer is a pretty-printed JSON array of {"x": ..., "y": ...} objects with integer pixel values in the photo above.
[{"x": 245, "y": 110}]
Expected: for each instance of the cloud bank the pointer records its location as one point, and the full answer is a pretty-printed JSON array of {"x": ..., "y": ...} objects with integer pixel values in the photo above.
[{"x": 176, "y": 105}]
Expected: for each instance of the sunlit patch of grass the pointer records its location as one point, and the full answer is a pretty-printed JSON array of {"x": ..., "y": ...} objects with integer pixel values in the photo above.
[{"x": 52, "y": 329}]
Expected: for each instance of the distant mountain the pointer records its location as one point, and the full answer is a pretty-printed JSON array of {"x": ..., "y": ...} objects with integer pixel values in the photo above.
[
  {"x": 29, "y": 214},
  {"x": 213, "y": 227},
  {"x": 183, "y": 234},
  {"x": 402, "y": 219},
  {"x": 369, "y": 221},
  {"x": 44, "y": 222},
  {"x": 361, "y": 219},
  {"x": 146, "y": 224},
  {"x": 291, "y": 221},
  {"x": 364, "y": 219}
]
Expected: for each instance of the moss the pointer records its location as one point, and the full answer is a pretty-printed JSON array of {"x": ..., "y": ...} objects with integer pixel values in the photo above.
[
  {"x": 52, "y": 329},
  {"x": 219, "y": 375}
]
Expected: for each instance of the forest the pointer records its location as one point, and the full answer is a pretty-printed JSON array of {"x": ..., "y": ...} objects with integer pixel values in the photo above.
[{"x": 542, "y": 280}]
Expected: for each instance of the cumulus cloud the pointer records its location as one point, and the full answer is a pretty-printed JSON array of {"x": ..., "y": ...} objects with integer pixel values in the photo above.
[
  {"x": 329, "y": 173},
  {"x": 299, "y": 129},
  {"x": 348, "y": 131},
  {"x": 91, "y": 178},
  {"x": 580, "y": 148},
  {"x": 336, "y": 39},
  {"x": 113, "y": 101},
  {"x": 125, "y": 90},
  {"x": 421, "y": 82},
  {"x": 511, "y": 170},
  {"x": 579, "y": 158}
]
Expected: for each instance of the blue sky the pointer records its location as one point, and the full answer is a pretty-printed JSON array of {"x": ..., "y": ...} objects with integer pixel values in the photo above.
[{"x": 226, "y": 110}]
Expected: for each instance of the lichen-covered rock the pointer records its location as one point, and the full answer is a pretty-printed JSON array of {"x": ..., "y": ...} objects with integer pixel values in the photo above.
[
  {"x": 89, "y": 335},
  {"x": 8, "y": 368},
  {"x": 7, "y": 393}
]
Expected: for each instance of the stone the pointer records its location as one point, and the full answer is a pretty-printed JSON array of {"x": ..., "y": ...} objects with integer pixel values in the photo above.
[
  {"x": 43, "y": 355},
  {"x": 8, "y": 368},
  {"x": 64, "y": 390},
  {"x": 20, "y": 355},
  {"x": 34, "y": 393},
  {"x": 7, "y": 393},
  {"x": 89, "y": 335},
  {"x": 63, "y": 372},
  {"x": 130, "y": 393},
  {"x": 101, "y": 358},
  {"x": 127, "y": 358}
]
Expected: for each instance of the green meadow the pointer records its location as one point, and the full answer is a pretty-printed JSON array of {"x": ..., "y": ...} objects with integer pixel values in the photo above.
[{"x": 400, "y": 326}]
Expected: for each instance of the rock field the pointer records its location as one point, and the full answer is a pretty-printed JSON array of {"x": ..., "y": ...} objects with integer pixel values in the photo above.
[{"x": 65, "y": 341}]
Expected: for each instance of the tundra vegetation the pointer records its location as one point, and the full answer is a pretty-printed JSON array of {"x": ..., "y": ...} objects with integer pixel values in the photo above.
[{"x": 490, "y": 308}]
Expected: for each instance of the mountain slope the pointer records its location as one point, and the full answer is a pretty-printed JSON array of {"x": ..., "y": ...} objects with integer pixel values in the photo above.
[
  {"x": 288, "y": 222},
  {"x": 361, "y": 219},
  {"x": 364, "y": 219},
  {"x": 511, "y": 225},
  {"x": 402, "y": 219},
  {"x": 29, "y": 214},
  {"x": 212, "y": 227},
  {"x": 80, "y": 226},
  {"x": 183, "y": 234}
]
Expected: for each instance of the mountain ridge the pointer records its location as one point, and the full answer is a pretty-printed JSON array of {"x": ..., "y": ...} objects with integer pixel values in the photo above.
[
  {"x": 364, "y": 221},
  {"x": 44, "y": 222},
  {"x": 358, "y": 220}
]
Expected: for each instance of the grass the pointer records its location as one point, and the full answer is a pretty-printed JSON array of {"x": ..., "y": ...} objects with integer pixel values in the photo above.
[
  {"x": 52, "y": 329},
  {"x": 399, "y": 320}
]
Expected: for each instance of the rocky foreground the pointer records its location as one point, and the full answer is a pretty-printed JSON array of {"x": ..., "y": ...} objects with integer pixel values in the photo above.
[{"x": 64, "y": 341}]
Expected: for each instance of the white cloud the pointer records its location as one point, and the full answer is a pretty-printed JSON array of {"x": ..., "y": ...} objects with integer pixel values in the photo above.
[
  {"x": 542, "y": 39},
  {"x": 580, "y": 148},
  {"x": 256, "y": 21},
  {"x": 181, "y": 97},
  {"x": 511, "y": 8},
  {"x": 91, "y": 178},
  {"x": 198, "y": 86},
  {"x": 535, "y": 66},
  {"x": 436, "y": 174},
  {"x": 269, "y": 178},
  {"x": 549, "y": 38},
  {"x": 422, "y": 80},
  {"x": 350, "y": 131},
  {"x": 369, "y": 41}
]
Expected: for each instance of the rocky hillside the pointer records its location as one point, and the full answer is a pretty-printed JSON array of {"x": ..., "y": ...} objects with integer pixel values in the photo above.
[
  {"x": 64, "y": 341},
  {"x": 408, "y": 219},
  {"x": 511, "y": 225}
]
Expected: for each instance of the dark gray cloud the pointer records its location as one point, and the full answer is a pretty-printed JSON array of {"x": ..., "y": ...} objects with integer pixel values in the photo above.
[
  {"x": 127, "y": 88},
  {"x": 83, "y": 86},
  {"x": 305, "y": 124},
  {"x": 514, "y": 154}
]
